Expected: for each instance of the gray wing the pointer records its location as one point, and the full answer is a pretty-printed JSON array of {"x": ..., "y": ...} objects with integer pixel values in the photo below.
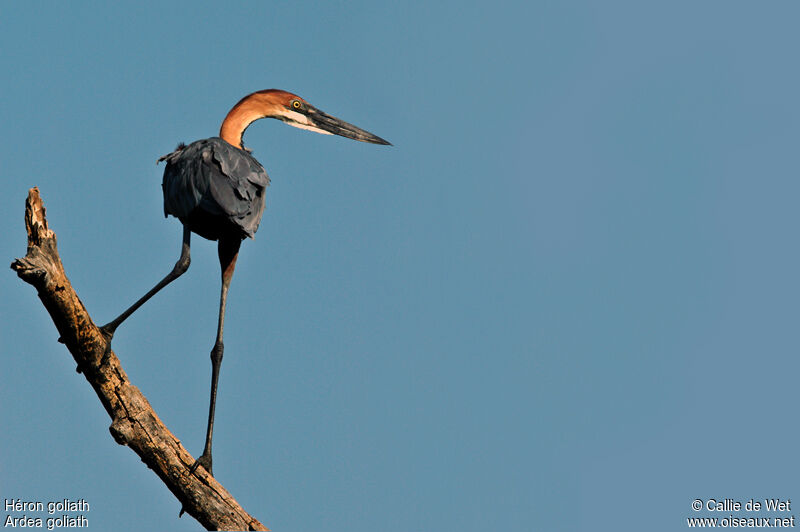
[{"x": 209, "y": 182}]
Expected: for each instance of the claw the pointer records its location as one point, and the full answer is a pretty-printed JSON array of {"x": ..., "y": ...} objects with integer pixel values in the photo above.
[
  {"x": 205, "y": 461},
  {"x": 108, "y": 330}
]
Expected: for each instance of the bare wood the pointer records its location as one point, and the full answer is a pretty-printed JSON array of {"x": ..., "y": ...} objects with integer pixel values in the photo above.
[{"x": 134, "y": 422}]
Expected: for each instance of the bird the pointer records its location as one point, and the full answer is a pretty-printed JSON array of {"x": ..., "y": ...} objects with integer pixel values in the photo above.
[{"x": 216, "y": 188}]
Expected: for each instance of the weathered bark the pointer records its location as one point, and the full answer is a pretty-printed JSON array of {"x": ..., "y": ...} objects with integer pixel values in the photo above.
[{"x": 134, "y": 423}]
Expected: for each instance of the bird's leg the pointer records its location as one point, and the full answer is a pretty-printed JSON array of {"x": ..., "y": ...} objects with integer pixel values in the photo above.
[
  {"x": 180, "y": 267},
  {"x": 228, "y": 252}
]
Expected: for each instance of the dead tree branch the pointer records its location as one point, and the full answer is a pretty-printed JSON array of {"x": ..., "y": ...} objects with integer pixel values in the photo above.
[{"x": 134, "y": 423}]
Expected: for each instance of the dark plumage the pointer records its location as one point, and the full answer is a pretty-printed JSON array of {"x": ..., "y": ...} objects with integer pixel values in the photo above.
[{"x": 214, "y": 189}]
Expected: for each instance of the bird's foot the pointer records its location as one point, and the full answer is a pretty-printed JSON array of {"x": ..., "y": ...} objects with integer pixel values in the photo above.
[
  {"x": 108, "y": 330},
  {"x": 205, "y": 461}
]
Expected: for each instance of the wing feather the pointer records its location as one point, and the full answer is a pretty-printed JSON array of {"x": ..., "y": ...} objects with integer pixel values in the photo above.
[{"x": 210, "y": 183}]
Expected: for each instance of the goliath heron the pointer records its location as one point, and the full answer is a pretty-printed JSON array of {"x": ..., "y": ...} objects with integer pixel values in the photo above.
[{"x": 216, "y": 189}]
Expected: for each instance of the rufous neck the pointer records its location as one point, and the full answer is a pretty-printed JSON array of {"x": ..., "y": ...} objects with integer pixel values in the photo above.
[{"x": 242, "y": 115}]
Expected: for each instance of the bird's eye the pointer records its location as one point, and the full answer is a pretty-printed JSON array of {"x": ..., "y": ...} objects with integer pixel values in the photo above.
[{"x": 296, "y": 104}]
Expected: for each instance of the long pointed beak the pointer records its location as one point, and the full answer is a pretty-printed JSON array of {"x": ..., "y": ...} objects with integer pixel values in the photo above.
[{"x": 331, "y": 124}]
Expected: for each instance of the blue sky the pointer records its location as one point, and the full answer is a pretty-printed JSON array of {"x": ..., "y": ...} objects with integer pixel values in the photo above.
[{"x": 566, "y": 299}]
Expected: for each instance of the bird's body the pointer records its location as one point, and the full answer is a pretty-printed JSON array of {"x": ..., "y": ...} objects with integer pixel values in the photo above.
[{"x": 217, "y": 189}]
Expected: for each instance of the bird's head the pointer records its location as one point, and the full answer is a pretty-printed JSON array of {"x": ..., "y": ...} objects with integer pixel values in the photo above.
[{"x": 289, "y": 108}]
